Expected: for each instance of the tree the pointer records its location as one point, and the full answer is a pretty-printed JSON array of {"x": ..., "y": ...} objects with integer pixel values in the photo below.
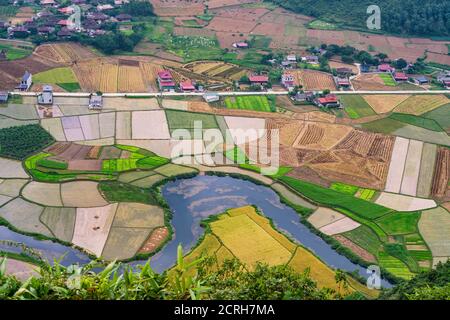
[
  {"x": 341, "y": 279},
  {"x": 401, "y": 63},
  {"x": 244, "y": 79}
]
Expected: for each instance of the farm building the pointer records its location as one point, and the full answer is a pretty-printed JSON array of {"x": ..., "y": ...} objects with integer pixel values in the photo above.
[
  {"x": 46, "y": 97},
  {"x": 95, "y": 102},
  {"x": 120, "y": 2},
  {"x": 48, "y": 3},
  {"x": 385, "y": 68},
  {"x": 211, "y": 97},
  {"x": 165, "y": 81},
  {"x": 45, "y": 30},
  {"x": 444, "y": 78},
  {"x": 329, "y": 101},
  {"x": 64, "y": 33},
  {"x": 3, "y": 97},
  {"x": 343, "y": 82},
  {"x": 103, "y": 7},
  {"x": 26, "y": 82},
  {"x": 364, "y": 68},
  {"x": 291, "y": 58},
  {"x": 66, "y": 10},
  {"x": 123, "y": 17},
  {"x": 240, "y": 45},
  {"x": 344, "y": 72},
  {"x": 400, "y": 77},
  {"x": 18, "y": 31},
  {"x": 287, "y": 80},
  {"x": 303, "y": 96},
  {"x": 187, "y": 86},
  {"x": 311, "y": 59},
  {"x": 259, "y": 79},
  {"x": 420, "y": 80}
]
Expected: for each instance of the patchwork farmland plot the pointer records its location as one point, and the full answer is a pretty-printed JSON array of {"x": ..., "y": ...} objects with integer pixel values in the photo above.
[
  {"x": 356, "y": 107},
  {"x": 60, "y": 221},
  {"x": 420, "y": 104},
  {"x": 434, "y": 225},
  {"x": 384, "y": 103},
  {"x": 256, "y": 103},
  {"x": 150, "y": 125},
  {"x": 404, "y": 203}
]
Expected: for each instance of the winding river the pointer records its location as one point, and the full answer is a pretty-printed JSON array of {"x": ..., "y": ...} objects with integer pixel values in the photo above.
[{"x": 194, "y": 199}]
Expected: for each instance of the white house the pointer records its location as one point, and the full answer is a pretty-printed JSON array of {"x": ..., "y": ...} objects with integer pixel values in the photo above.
[
  {"x": 26, "y": 82},
  {"x": 46, "y": 97}
]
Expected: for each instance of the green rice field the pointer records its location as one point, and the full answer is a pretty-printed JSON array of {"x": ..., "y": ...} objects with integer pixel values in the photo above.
[
  {"x": 387, "y": 79},
  {"x": 356, "y": 107},
  {"x": 255, "y": 103}
]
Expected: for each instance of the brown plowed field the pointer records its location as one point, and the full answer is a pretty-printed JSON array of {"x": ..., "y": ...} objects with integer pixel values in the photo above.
[
  {"x": 314, "y": 80},
  {"x": 441, "y": 175},
  {"x": 157, "y": 237}
]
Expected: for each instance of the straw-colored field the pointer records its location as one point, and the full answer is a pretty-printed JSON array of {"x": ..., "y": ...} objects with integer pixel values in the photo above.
[
  {"x": 420, "y": 104},
  {"x": 149, "y": 125},
  {"x": 47, "y": 194},
  {"x": 434, "y": 226},
  {"x": 404, "y": 203},
  {"x": 383, "y": 103},
  {"x": 397, "y": 165},
  {"x": 412, "y": 168},
  {"x": 92, "y": 227},
  {"x": 81, "y": 194},
  {"x": 11, "y": 169},
  {"x": 323, "y": 216},
  {"x": 24, "y": 216}
]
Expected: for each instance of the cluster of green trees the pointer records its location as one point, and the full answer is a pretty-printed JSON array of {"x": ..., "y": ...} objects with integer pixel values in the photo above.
[
  {"x": 413, "y": 17},
  {"x": 22, "y": 141}
]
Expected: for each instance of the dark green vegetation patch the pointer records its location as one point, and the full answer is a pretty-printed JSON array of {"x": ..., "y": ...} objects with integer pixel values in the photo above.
[
  {"x": 20, "y": 142},
  {"x": 122, "y": 192},
  {"x": 429, "y": 124}
]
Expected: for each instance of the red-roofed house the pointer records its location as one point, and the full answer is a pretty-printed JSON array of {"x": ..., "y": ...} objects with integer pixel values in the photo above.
[
  {"x": 165, "y": 81},
  {"x": 259, "y": 79},
  {"x": 187, "y": 86},
  {"x": 400, "y": 77},
  {"x": 385, "y": 68},
  {"x": 330, "y": 100},
  {"x": 66, "y": 10},
  {"x": 64, "y": 23}
]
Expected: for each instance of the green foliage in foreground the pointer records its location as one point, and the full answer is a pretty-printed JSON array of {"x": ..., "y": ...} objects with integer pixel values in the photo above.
[
  {"x": 20, "y": 142},
  {"x": 336, "y": 199},
  {"x": 195, "y": 280}
]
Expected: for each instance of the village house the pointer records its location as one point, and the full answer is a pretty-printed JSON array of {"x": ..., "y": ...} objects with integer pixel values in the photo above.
[
  {"x": 211, "y": 97},
  {"x": 4, "y": 97},
  {"x": 364, "y": 68},
  {"x": 18, "y": 32},
  {"x": 98, "y": 16},
  {"x": 287, "y": 80},
  {"x": 400, "y": 77},
  {"x": 444, "y": 79},
  {"x": 104, "y": 7},
  {"x": 165, "y": 81},
  {"x": 46, "y": 97},
  {"x": 240, "y": 45},
  {"x": 258, "y": 79},
  {"x": 420, "y": 80},
  {"x": 67, "y": 10},
  {"x": 45, "y": 30},
  {"x": 3, "y": 25},
  {"x": 120, "y": 2},
  {"x": 385, "y": 68},
  {"x": 95, "y": 102},
  {"x": 48, "y": 3},
  {"x": 123, "y": 17},
  {"x": 344, "y": 72},
  {"x": 329, "y": 101},
  {"x": 311, "y": 59},
  {"x": 187, "y": 86},
  {"x": 25, "y": 82},
  {"x": 342, "y": 82},
  {"x": 64, "y": 33}
]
